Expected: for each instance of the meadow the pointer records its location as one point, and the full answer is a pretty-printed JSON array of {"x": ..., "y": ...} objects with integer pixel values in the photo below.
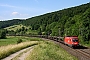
[
  {"x": 13, "y": 40},
  {"x": 47, "y": 50},
  {"x": 15, "y": 27}
]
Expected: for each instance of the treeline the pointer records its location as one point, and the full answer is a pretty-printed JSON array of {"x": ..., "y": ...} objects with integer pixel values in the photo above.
[{"x": 4, "y": 24}]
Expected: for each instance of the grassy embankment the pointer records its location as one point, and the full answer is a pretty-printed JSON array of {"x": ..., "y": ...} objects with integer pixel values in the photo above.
[
  {"x": 49, "y": 51},
  {"x": 13, "y": 47}
]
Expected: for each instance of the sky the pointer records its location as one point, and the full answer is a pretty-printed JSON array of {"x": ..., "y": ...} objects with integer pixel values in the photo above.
[{"x": 23, "y": 9}]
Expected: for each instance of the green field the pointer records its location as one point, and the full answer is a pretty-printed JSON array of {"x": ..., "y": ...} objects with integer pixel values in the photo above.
[
  {"x": 13, "y": 40},
  {"x": 8, "y": 40}
]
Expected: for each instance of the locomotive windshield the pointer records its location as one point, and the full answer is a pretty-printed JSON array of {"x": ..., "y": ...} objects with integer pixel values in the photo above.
[{"x": 75, "y": 40}]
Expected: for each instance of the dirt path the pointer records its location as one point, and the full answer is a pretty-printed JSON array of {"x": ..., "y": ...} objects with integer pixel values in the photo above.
[{"x": 22, "y": 57}]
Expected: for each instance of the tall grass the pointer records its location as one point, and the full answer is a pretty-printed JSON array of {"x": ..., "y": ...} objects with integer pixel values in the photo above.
[
  {"x": 7, "y": 50},
  {"x": 49, "y": 51}
]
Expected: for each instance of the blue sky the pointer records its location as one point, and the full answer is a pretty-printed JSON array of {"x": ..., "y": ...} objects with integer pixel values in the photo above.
[{"x": 22, "y": 9}]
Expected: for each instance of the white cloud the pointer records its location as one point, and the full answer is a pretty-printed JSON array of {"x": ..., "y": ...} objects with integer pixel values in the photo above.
[
  {"x": 18, "y": 15},
  {"x": 15, "y": 13}
]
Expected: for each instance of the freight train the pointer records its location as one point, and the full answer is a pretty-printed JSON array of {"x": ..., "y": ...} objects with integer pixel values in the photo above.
[{"x": 72, "y": 41}]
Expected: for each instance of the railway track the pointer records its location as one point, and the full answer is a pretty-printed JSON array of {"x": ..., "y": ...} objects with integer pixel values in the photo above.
[
  {"x": 84, "y": 52},
  {"x": 81, "y": 54}
]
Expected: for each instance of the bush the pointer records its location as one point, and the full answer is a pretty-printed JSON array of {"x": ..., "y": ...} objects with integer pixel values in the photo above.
[
  {"x": 19, "y": 41},
  {"x": 2, "y": 34}
]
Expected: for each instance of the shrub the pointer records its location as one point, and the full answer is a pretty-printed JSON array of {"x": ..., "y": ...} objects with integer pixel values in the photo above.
[
  {"x": 19, "y": 41},
  {"x": 2, "y": 34}
]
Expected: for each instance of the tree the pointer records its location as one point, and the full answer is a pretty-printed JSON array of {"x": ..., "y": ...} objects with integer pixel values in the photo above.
[
  {"x": 39, "y": 31},
  {"x": 2, "y": 34},
  {"x": 23, "y": 28},
  {"x": 86, "y": 26}
]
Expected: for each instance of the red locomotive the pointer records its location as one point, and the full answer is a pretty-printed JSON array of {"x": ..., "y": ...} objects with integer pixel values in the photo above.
[{"x": 71, "y": 41}]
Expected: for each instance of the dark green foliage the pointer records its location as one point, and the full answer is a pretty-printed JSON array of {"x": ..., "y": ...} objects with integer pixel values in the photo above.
[
  {"x": 23, "y": 28},
  {"x": 8, "y": 23},
  {"x": 19, "y": 40},
  {"x": 86, "y": 26},
  {"x": 35, "y": 27},
  {"x": 2, "y": 34},
  {"x": 39, "y": 31},
  {"x": 43, "y": 27}
]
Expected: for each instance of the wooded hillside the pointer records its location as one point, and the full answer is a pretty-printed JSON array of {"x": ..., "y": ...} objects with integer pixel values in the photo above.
[
  {"x": 74, "y": 21},
  {"x": 8, "y": 23}
]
